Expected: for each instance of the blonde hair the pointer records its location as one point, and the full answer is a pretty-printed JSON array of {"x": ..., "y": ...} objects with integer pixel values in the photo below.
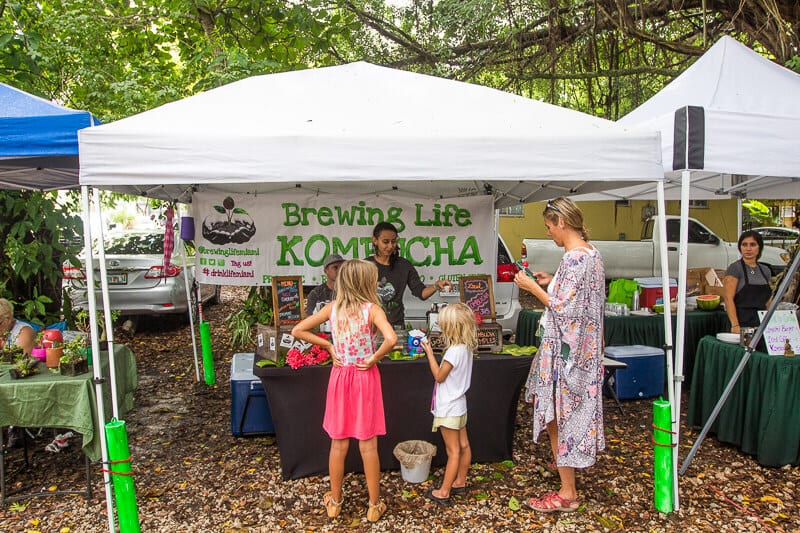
[
  {"x": 356, "y": 284},
  {"x": 457, "y": 322},
  {"x": 566, "y": 210},
  {"x": 6, "y": 309}
]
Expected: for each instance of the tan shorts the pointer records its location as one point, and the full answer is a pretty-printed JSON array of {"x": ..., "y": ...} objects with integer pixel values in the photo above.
[{"x": 450, "y": 422}]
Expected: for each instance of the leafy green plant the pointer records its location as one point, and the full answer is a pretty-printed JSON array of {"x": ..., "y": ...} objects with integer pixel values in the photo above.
[
  {"x": 74, "y": 350},
  {"x": 257, "y": 309},
  {"x": 82, "y": 322}
]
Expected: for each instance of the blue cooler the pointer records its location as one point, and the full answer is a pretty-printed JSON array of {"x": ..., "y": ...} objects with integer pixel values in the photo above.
[
  {"x": 250, "y": 413},
  {"x": 644, "y": 377}
]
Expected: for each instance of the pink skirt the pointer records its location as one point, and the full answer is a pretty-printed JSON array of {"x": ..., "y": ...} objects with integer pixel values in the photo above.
[{"x": 354, "y": 404}]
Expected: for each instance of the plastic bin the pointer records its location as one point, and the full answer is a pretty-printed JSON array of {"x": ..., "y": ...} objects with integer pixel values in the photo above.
[
  {"x": 644, "y": 377},
  {"x": 250, "y": 414}
]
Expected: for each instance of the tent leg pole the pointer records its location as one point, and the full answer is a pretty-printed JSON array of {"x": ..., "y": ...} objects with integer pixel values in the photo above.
[{"x": 98, "y": 386}]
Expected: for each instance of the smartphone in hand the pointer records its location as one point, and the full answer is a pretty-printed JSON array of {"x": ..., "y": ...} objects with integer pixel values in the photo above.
[{"x": 523, "y": 265}]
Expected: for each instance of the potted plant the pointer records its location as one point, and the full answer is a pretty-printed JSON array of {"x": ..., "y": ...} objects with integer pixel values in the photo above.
[
  {"x": 53, "y": 354},
  {"x": 38, "y": 351},
  {"x": 10, "y": 354},
  {"x": 24, "y": 367},
  {"x": 74, "y": 361}
]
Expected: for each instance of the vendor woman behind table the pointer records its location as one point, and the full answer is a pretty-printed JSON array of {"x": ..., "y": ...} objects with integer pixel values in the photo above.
[
  {"x": 746, "y": 287},
  {"x": 12, "y": 331},
  {"x": 396, "y": 273}
]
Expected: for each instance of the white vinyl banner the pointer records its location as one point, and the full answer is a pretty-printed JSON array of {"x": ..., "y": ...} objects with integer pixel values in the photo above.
[{"x": 247, "y": 239}]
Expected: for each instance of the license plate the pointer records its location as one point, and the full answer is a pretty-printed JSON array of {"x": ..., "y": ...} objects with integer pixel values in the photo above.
[{"x": 118, "y": 279}]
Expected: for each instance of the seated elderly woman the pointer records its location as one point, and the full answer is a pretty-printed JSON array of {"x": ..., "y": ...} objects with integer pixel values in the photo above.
[{"x": 12, "y": 331}]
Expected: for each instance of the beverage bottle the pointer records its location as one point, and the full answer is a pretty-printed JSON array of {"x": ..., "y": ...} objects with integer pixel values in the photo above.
[{"x": 635, "y": 306}]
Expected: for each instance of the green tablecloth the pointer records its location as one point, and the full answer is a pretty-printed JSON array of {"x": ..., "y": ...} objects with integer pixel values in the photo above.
[
  {"x": 644, "y": 330},
  {"x": 49, "y": 399},
  {"x": 762, "y": 414}
]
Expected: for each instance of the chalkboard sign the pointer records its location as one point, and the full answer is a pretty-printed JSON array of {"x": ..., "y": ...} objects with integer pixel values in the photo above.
[
  {"x": 490, "y": 338},
  {"x": 287, "y": 300},
  {"x": 476, "y": 292}
]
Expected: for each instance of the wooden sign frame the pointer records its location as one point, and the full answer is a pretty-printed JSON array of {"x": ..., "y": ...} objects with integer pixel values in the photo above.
[
  {"x": 468, "y": 294},
  {"x": 283, "y": 282}
]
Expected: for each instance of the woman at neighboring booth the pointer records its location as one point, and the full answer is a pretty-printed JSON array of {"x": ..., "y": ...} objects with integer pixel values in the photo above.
[
  {"x": 12, "y": 331},
  {"x": 395, "y": 273},
  {"x": 566, "y": 377},
  {"x": 746, "y": 287}
]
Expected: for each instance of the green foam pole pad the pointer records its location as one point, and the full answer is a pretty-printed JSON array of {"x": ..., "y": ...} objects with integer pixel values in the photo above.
[
  {"x": 124, "y": 490},
  {"x": 208, "y": 355},
  {"x": 662, "y": 456}
]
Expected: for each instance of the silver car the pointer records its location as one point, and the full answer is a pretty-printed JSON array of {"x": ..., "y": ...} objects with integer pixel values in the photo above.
[
  {"x": 778, "y": 236},
  {"x": 138, "y": 283}
]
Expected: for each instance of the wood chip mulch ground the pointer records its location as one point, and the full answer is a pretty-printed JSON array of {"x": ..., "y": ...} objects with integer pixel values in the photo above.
[{"x": 192, "y": 475}]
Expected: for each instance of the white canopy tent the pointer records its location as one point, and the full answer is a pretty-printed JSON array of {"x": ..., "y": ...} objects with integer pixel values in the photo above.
[
  {"x": 360, "y": 127},
  {"x": 739, "y": 134},
  {"x": 366, "y": 126},
  {"x": 733, "y": 113}
]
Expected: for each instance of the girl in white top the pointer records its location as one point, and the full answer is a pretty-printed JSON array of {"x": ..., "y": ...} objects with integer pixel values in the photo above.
[{"x": 449, "y": 405}]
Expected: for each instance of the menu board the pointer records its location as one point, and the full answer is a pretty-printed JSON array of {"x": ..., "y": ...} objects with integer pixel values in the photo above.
[
  {"x": 490, "y": 337},
  {"x": 782, "y": 329},
  {"x": 476, "y": 292},
  {"x": 287, "y": 300}
]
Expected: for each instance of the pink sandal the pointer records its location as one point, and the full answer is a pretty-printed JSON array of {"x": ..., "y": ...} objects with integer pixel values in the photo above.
[{"x": 551, "y": 502}]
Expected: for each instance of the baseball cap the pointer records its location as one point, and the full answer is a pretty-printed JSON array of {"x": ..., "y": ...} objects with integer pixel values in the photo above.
[{"x": 333, "y": 258}]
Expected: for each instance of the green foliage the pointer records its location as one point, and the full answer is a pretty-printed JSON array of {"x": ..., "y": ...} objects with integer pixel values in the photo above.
[
  {"x": 75, "y": 350},
  {"x": 35, "y": 238},
  {"x": 760, "y": 211},
  {"x": 257, "y": 309}
]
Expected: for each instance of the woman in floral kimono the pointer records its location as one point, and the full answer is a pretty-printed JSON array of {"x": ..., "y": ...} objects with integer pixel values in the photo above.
[{"x": 566, "y": 377}]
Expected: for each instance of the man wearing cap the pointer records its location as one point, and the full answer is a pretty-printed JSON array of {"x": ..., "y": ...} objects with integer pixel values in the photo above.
[{"x": 323, "y": 293}]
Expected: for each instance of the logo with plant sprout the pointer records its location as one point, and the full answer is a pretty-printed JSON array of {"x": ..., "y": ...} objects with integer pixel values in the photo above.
[{"x": 229, "y": 224}]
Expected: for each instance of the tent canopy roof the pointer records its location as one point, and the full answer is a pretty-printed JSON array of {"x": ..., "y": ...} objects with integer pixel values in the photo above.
[
  {"x": 38, "y": 141},
  {"x": 375, "y": 128},
  {"x": 747, "y": 124}
]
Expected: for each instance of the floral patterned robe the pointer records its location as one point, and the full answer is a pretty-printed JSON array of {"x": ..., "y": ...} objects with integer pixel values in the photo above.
[{"x": 566, "y": 377}]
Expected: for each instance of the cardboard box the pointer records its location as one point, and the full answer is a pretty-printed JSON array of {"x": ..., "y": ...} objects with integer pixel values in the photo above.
[
  {"x": 645, "y": 375},
  {"x": 704, "y": 280},
  {"x": 250, "y": 414}
]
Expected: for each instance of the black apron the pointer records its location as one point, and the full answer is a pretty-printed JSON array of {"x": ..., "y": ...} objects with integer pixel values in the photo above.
[{"x": 751, "y": 299}]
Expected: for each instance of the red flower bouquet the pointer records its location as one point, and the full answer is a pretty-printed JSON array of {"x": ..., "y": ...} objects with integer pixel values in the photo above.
[{"x": 316, "y": 355}]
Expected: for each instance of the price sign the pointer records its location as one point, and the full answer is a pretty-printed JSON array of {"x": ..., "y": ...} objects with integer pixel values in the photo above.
[
  {"x": 476, "y": 292},
  {"x": 782, "y": 329},
  {"x": 287, "y": 300},
  {"x": 490, "y": 337}
]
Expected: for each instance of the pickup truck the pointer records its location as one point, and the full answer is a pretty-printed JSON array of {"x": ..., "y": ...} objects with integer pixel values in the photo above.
[{"x": 635, "y": 259}]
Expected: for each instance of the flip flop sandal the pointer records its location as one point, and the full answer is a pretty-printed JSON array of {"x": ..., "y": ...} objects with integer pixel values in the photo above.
[
  {"x": 441, "y": 501},
  {"x": 332, "y": 507},
  {"x": 376, "y": 511},
  {"x": 457, "y": 491},
  {"x": 551, "y": 502}
]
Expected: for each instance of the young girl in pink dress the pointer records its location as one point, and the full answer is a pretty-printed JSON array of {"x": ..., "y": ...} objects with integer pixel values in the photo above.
[{"x": 354, "y": 403}]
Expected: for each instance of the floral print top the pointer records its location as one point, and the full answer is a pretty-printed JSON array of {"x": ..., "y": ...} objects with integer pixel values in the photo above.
[
  {"x": 352, "y": 338},
  {"x": 566, "y": 377}
]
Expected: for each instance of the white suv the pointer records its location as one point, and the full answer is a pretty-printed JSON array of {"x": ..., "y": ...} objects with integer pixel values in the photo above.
[{"x": 506, "y": 296}]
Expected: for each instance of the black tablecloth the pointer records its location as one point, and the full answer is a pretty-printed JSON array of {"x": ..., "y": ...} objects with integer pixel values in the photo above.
[
  {"x": 297, "y": 403},
  {"x": 644, "y": 330},
  {"x": 762, "y": 414}
]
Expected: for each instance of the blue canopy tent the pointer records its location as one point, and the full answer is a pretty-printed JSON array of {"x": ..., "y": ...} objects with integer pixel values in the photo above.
[{"x": 38, "y": 141}]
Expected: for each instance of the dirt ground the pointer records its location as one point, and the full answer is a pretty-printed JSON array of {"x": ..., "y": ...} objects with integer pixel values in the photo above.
[{"x": 191, "y": 474}]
